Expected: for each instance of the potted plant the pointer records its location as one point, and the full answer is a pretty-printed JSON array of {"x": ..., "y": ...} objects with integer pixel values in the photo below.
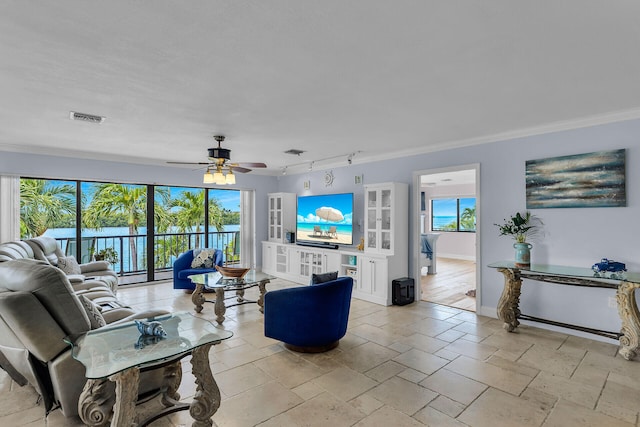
[
  {"x": 107, "y": 254},
  {"x": 521, "y": 227}
]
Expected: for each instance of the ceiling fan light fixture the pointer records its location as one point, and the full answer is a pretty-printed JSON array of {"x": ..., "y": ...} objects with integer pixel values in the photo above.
[
  {"x": 230, "y": 178},
  {"x": 208, "y": 178},
  {"x": 218, "y": 178}
]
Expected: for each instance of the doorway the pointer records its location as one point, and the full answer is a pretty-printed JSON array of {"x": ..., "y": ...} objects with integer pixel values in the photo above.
[{"x": 446, "y": 250}]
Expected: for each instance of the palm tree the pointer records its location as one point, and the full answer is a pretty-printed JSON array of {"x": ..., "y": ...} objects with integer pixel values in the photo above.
[
  {"x": 42, "y": 204},
  {"x": 468, "y": 219},
  {"x": 110, "y": 199},
  {"x": 190, "y": 213}
]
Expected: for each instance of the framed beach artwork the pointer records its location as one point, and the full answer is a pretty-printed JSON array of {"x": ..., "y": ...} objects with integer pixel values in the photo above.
[{"x": 578, "y": 181}]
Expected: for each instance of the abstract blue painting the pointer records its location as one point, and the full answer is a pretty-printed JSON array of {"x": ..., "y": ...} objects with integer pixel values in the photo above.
[{"x": 579, "y": 181}]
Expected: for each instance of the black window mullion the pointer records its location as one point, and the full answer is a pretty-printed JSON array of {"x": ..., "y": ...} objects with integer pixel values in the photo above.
[{"x": 151, "y": 231}]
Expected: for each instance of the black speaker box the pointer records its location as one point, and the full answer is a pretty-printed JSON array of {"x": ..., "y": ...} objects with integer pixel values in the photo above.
[{"x": 402, "y": 291}]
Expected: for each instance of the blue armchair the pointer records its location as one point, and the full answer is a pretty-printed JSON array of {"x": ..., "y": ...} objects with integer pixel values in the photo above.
[
  {"x": 309, "y": 319},
  {"x": 182, "y": 269}
]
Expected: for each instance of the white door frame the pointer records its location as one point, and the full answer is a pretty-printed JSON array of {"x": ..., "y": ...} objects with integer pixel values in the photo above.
[{"x": 416, "y": 225}]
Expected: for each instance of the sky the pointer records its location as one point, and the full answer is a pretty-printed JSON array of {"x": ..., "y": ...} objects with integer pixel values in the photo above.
[
  {"x": 447, "y": 207},
  {"x": 307, "y": 206},
  {"x": 229, "y": 199}
]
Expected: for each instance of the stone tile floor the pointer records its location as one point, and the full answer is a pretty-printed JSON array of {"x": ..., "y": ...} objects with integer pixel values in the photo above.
[{"x": 421, "y": 364}]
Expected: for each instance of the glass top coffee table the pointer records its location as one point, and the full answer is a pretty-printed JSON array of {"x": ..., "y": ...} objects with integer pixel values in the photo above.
[
  {"x": 217, "y": 283},
  {"x": 119, "y": 353}
]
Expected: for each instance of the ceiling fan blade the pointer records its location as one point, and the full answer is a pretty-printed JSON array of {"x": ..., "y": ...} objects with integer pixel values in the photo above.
[
  {"x": 189, "y": 163},
  {"x": 252, "y": 165},
  {"x": 239, "y": 169}
]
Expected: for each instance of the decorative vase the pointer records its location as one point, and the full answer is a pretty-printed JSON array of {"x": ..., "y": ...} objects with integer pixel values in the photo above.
[{"x": 523, "y": 254}]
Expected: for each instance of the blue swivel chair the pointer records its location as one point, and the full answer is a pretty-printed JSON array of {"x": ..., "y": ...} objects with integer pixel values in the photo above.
[
  {"x": 309, "y": 319},
  {"x": 182, "y": 269}
]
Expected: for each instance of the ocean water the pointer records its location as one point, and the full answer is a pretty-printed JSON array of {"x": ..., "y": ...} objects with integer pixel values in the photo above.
[
  {"x": 106, "y": 238},
  {"x": 441, "y": 221}
]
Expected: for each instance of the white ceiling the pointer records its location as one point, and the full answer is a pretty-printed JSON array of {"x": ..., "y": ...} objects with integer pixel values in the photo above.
[{"x": 331, "y": 77}]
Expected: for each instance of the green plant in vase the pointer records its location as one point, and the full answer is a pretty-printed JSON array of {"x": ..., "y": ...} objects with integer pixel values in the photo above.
[{"x": 521, "y": 227}]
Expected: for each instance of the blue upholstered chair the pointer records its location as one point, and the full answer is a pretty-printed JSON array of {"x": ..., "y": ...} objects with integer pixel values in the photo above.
[
  {"x": 182, "y": 269},
  {"x": 309, "y": 319}
]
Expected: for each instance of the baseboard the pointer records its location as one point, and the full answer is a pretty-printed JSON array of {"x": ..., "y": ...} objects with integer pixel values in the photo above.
[{"x": 456, "y": 256}]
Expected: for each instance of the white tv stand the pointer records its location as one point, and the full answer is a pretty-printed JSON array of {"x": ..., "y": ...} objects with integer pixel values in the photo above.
[{"x": 370, "y": 272}]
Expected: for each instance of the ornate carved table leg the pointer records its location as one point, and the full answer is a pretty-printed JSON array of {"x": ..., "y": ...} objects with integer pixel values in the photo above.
[
  {"x": 263, "y": 290},
  {"x": 207, "y": 398},
  {"x": 197, "y": 297},
  {"x": 171, "y": 383},
  {"x": 508, "y": 310},
  {"x": 96, "y": 403},
  {"x": 219, "y": 309},
  {"x": 628, "y": 311},
  {"x": 240, "y": 294},
  {"x": 124, "y": 411}
]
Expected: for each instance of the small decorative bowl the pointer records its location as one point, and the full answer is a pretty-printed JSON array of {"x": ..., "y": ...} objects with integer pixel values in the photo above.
[{"x": 232, "y": 272}]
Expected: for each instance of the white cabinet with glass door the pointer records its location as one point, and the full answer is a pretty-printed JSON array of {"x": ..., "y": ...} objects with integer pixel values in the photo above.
[
  {"x": 386, "y": 217},
  {"x": 282, "y": 215}
]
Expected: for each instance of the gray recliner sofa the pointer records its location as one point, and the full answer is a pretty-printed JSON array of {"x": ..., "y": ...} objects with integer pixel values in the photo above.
[{"x": 38, "y": 309}]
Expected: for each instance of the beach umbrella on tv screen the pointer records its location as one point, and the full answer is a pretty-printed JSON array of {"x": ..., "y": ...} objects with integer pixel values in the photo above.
[{"x": 329, "y": 214}]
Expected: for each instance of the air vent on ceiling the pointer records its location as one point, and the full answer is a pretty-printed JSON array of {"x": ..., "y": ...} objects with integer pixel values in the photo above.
[
  {"x": 294, "y": 152},
  {"x": 86, "y": 117}
]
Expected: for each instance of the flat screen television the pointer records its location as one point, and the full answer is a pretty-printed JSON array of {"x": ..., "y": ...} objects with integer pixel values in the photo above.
[{"x": 325, "y": 219}]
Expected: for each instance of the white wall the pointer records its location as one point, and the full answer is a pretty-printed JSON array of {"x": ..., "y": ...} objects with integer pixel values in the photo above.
[
  {"x": 577, "y": 237},
  {"x": 451, "y": 244}
]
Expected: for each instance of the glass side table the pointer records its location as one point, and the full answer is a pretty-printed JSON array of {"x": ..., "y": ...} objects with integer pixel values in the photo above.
[{"x": 119, "y": 353}]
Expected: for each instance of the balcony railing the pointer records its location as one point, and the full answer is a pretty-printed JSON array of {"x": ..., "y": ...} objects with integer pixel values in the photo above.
[{"x": 132, "y": 249}]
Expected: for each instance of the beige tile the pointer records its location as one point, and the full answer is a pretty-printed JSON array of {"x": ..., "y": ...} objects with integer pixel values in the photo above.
[
  {"x": 386, "y": 416},
  {"x": 447, "y": 406},
  {"x": 241, "y": 379},
  {"x": 256, "y": 405},
  {"x": 366, "y": 404},
  {"x": 385, "y": 371},
  {"x": 289, "y": 369},
  {"x": 345, "y": 383},
  {"x": 412, "y": 375},
  {"x": 374, "y": 334},
  {"x": 454, "y": 386},
  {"x": 552, "y": 361},
  {"x": 30, "y": 416},
  {"x": 421, "y": 361},
  {"x": 402, "y": 395},
  {"x": 620, "y": 401},
  {"x": 433, "y": 418},
  {"x": 423, "y": 342},
  {"x": 450, "y": 335},
  {"x": 513, "y": 366},
  {"x": 574, "y": 391},
  {"x": 495, "y": 408},
  {"x": 494, "y": 376},
  {"x": 566, "y": 413},
  {"x": 240, "y": 355},
  {"x": 323, "y": 410},
  {"x": 433, "y": 327},
  {"x": 366, "y": 356},
  {"x": 471, "y": 349},
  {"x": 307, "y": 390}
]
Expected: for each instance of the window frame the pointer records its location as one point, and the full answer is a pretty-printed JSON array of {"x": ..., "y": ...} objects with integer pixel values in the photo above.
[{"x": 458, "y": 213}]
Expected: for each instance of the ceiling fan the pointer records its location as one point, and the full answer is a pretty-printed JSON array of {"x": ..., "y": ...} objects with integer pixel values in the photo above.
[{"x": 219, "y": 161}]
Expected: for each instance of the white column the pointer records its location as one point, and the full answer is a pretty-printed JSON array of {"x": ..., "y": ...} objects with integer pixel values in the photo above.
[
  {"x": 9, "y": 208},
  {"x": 247, "y": 228}
]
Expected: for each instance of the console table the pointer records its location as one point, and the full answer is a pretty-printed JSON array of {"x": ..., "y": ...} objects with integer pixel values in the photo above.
[
  {"x": 509, "y": 311},
  {"x": 119, "y": 353}
]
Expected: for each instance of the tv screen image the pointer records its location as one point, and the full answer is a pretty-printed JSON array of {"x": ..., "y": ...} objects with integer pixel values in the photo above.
[{"x": 325, "y": 218}]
